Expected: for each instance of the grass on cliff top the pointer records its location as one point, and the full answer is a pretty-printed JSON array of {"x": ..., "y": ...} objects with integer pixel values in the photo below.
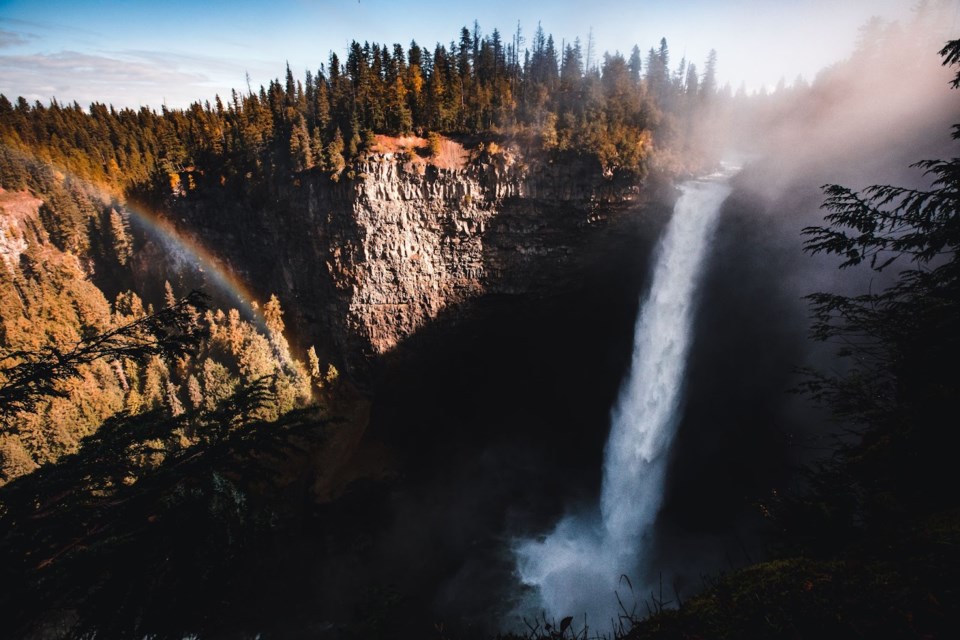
[{"x": 452, "y": 155}]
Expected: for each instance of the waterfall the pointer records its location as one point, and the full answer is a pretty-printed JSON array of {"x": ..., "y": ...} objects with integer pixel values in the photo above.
[{"x": 577, "y": 567}]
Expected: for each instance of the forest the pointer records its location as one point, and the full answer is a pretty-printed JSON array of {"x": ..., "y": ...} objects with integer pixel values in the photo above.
[
  {"x": 159, "y": 445},
  {"x": 569, "y": 100}
]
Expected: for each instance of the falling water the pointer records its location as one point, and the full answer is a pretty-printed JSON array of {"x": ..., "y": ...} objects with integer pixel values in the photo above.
[{"x": 576, "y": 569}]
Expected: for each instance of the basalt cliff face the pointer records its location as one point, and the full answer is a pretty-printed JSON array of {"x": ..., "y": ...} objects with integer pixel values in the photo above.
[{"x": 363, "y": 263}]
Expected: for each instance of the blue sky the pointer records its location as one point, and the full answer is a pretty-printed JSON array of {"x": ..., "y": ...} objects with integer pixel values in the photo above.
[{"x": 136, "y": 53}]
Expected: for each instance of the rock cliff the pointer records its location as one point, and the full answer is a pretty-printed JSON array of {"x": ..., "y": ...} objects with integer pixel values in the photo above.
[
  {"x": 364, "y": 262},
  {"x": 18, "y": 212}
]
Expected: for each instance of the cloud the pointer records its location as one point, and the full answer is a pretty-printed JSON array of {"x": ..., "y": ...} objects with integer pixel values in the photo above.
[
  {"x": 13, "y": 38},
  {"x": 215, "y": 65},
  {"x": 128, "y": 79}
]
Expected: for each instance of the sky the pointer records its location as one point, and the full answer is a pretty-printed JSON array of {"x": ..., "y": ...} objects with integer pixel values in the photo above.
[{"x": 147, "y": 53}]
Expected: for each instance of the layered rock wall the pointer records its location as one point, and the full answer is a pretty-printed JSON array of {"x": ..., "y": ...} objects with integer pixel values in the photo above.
[
  {"x": 414, "y": 242},
  {"x": 362, "y": 263}
]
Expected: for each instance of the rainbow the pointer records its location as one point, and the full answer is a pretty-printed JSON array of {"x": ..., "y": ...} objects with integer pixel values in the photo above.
[{"x": 215, "y": 271}]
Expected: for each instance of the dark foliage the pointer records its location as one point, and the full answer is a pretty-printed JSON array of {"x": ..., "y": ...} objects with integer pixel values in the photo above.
[
  {"x": 101, "y": 543},
  {"x": 901, "y": 343}
]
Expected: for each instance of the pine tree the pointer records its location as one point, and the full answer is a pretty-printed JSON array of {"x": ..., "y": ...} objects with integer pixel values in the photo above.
[
  {"x": 692, "y": 83},
  {"x": 708, "y": 86},
  {"x": 172, "y": 400},
  {"x": 301, "y": 154},
  {"x": 901, "y": 343},
  {"x": 169, "y": 298},
  {"x": 121, "y": 242},
  {"x": 635, "y": 65},
  {"x": 273, "y": 316},
  {"x": 195, "y": 393},
  {"x": 333, "y": 157}
]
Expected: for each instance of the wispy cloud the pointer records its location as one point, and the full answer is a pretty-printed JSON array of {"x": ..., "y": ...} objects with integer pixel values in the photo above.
[
  {"x": 45, "y": 26},
  {"x": 131, "y": 78},
  {"x": 14, "y": 38},
  {"x": 209, "y": 63}
]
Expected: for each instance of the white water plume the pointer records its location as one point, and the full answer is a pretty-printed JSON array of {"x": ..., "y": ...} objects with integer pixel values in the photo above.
[{"x": 576, "y": 569}]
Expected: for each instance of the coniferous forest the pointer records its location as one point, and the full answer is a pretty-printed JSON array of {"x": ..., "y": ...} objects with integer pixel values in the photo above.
[
  {"x": 178, "y": 462},
  {"x": 568, "y": 100}
]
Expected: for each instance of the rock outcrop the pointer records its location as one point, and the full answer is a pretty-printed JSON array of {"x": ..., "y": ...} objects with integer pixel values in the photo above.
[
  {"x": 363, "y": 262},
  {"x": 18, "y": 221}
]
